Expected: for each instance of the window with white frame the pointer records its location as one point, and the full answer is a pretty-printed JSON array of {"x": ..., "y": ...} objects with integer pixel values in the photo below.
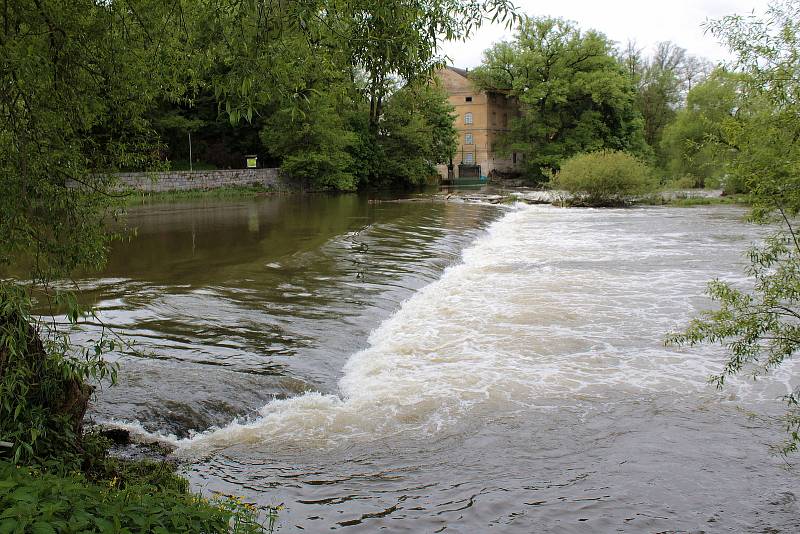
[
  {"x": 468, "y": 118},
  {"x": 468, "y": 140},
  {"x": 469, "y": 159}
]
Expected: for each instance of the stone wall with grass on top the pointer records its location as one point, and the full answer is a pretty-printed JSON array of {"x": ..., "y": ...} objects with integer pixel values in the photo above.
[{"x": 162, "y": 182}]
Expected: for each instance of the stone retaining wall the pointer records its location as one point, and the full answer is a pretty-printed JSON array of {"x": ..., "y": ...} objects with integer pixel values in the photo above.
[{"x": 160, "y": 182}]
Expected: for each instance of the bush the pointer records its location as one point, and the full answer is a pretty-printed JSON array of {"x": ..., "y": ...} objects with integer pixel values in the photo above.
[
  {"x": 43, "y": 383},
  {"x": 687, "y": 181},
  {"x": 34, "y": 502},
  {"x": 604, "y": 178}
]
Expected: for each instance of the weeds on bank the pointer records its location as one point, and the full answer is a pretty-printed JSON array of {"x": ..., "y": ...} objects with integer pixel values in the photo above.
[
  {"x": 140, "y": 197},
  {"x": 36, "y": 502}
]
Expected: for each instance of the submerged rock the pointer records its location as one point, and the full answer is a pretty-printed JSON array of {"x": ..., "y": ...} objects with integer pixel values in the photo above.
[{"x": 118, "y": 436}]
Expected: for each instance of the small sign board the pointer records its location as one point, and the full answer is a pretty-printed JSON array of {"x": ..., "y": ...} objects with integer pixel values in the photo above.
[{"x": 252, "y": 162}]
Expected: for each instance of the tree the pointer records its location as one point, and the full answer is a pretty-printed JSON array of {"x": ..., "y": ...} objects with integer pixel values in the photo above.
[
  {"x": 416, "y": 133},
  {"x": 694, "y": 144},
  {"x": 662, "y": 82},
  {"x": 313, "y": 143},
  {"x": 388, "y": 40},
  {"x": 215, "y": 141},
  {"x": 760, "y": 327},
  {"x": 573, "y": 93}
]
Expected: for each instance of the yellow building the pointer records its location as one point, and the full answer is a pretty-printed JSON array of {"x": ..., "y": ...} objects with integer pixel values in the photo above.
[{"x": 481, "y": 117}]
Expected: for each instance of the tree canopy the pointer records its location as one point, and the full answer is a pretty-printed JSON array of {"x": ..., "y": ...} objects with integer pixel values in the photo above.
[
  {"x": 694, "y": 145},
  {"x": 662, "y": 82},
  {"x": 573, "y": 93}
]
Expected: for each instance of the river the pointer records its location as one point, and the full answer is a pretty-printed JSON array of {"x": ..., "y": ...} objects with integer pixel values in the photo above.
[{"x": 417, "y": 365}]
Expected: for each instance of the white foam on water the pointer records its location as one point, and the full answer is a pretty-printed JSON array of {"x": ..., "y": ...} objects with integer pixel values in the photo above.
[{"x": 549, "y": 305}]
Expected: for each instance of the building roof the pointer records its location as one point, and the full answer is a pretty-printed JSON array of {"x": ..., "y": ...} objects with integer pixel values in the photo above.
[{"x": 462, "y": 72}]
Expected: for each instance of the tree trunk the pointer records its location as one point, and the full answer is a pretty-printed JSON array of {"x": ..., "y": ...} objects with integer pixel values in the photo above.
[{"x": 71, "y": 398}]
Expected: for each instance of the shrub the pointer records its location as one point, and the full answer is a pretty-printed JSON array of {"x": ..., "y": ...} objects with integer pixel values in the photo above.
[
  {"x": 604, "y": 178},
  {"x": 687, "y": 181},
  {"x": 43, "y": 383}
]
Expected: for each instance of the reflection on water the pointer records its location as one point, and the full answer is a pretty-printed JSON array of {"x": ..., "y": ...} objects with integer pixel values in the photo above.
[
  {"x": 263, "y": 298},
  {"x": 443, "y": 367}
]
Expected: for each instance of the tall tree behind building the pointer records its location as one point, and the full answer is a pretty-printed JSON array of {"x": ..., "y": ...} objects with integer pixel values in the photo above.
[{"x": 574, "y": 94}]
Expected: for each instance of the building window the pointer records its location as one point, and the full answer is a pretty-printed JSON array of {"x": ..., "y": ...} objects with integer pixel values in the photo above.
[
  {"x": 505, "y": 120},
  {"x": 514, "y": 157},
  {"x": 470, "y": 159},
  {"x": 468, "y": 118},
  {"x": 468, "y": 140},
  {"x": 494, "y": 118},
  {"x": 469, "y": 99}
]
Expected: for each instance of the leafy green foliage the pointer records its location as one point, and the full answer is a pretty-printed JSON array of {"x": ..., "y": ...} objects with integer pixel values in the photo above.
[
  {"x": 215, "y": 143},
  {"x": 43, "y": 383},
  {"x": 694, "y": 145},
  {"x": 389, "y": 40},
  {"x": 313, "y": 144},
  {"x": 662, "y": 82},
  {"x": 32, "y": 502},
  {"x": 328, "y": 144},
  {"x": 767, "y": 155},
  {"x": 605, "y": 178},
  {"x": 574, "y": 94},
  {"x": 760, "y": 326},
  {"x": 416, "y": 133}
]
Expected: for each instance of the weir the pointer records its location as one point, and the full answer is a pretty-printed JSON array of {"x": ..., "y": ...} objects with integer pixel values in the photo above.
[{"x": 518, "y": 366}]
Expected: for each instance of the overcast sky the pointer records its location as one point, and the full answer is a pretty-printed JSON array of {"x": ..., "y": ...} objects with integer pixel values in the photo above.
[{"x": 645, "y": 21}]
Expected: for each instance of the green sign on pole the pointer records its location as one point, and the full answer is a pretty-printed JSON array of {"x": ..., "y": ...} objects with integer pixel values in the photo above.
[{"x": 252, "y": 162}]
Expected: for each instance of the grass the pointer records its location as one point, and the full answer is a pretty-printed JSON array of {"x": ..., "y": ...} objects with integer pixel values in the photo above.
[
  {"x": 110, "y": 494},
  {"x": 32, "y": 501},
  {"x": 183, "y": 165},
  {"x": 690, "y": 202},
  {"x": 141, "y": 197}
]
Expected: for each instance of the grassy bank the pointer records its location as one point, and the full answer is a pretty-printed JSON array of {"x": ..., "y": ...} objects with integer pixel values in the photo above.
[
  {"x": 689, "y": 202},
  {"x": 33, "y": 501},
  {"x": 108, "y": 494},
  {"x": 140, "y": 197}
]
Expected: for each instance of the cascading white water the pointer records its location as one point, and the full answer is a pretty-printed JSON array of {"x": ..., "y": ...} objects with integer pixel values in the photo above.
[
  {"x": 525, "y": 388},
  {"x": 536, "y": 313}
]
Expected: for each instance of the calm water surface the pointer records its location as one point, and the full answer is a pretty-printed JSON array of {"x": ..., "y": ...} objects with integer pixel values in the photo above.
[{"x": 428, "y": 366}]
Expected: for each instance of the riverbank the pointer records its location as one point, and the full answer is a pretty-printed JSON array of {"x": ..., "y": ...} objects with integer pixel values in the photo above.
[
  {"x": 487, "y": 194},
  {"x": 104, "y": 492},
  {"x": 676, "y": 199},
  {"x": 223, "y": 192}
]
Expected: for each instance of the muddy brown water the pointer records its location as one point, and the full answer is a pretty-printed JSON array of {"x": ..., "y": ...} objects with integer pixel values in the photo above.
[{"x": 429, "y": 366}]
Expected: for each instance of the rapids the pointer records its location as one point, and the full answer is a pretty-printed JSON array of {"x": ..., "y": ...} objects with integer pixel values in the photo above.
[{"x": 429, "y": 367}]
